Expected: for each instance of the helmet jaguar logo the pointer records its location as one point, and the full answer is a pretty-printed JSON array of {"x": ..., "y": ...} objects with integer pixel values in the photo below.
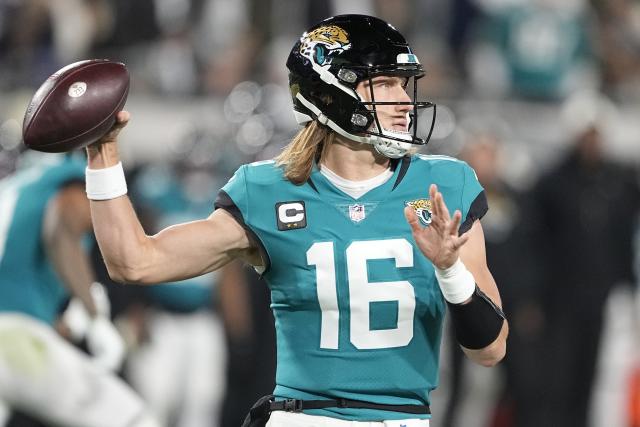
[
  {"x": 323, "y": 43},
  {"x": 422, "y": 207}
]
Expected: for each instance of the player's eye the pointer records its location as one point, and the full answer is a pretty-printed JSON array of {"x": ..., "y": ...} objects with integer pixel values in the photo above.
[{"x": 383, "y": 83}]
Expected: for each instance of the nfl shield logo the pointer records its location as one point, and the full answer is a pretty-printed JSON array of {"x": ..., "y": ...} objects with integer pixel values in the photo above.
[{"x": 356, "y": 213}]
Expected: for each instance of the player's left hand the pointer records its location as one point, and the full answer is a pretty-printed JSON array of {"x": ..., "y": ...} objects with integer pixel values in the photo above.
[
  {"x": 77, "y": 319},
  {"x": 439, "y": 241},
  {"x": 105, "y": 344}
]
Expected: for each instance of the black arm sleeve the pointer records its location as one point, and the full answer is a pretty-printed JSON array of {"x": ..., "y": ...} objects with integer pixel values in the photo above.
[{"x": 478, "y": 322}]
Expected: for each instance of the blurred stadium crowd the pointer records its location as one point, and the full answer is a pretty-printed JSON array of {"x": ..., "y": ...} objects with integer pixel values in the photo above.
[{"x": 541, "y": 97}]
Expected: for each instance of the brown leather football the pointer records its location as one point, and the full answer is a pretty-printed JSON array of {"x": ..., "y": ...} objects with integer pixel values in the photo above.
[{"x": 75, "y": 106}]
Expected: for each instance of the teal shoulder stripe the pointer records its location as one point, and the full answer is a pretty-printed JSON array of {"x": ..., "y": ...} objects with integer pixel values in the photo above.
[{"x": 428, "y": 157}]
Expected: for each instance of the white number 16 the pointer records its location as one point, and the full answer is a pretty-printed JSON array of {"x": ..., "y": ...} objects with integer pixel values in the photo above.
[{"x": 362, "y": 292}]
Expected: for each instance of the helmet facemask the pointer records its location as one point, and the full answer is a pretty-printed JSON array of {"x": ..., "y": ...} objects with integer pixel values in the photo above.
[{"x": 389, "y": 142}]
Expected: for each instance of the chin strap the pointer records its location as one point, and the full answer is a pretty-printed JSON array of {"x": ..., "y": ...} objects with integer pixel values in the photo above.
[{"x": 386, "y": 147}]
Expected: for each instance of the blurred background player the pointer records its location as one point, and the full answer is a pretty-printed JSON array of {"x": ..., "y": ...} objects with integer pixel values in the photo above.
[
  {"x": 586, "y": 209},
  {"x": 250, "y": 334},
  {"x": 45, "y": 217},
  {"x": 179, "y": 362},
  {"x": 507, "y": 396}
]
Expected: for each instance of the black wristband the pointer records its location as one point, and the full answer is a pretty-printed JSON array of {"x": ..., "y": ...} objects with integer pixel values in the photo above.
[{"x": 478, "y": 322}]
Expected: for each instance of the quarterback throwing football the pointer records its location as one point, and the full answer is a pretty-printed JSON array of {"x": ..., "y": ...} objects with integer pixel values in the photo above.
[{"x": 363, "y": 244}]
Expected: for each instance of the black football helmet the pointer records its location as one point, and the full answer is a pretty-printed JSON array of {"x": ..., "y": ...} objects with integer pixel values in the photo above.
[{"x": 329, "y": 61}]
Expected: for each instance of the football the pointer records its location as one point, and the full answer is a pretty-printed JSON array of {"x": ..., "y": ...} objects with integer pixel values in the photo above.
[{"x": 75, "y": 106}]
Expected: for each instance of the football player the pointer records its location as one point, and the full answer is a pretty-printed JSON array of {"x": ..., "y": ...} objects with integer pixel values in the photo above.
[
  {"x": 363, "y": 244},
  {"x": 183, "y": 346},
  {"x": 43, "y": 221}
]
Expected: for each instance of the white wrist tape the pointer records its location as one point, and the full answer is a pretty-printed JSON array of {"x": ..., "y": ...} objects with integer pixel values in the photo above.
[
  {"x": 105, "y": 184},
  {"x": 456, "y": 282}
]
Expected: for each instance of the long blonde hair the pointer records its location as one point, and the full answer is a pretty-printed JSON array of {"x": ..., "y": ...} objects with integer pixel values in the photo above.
[{"x": 308, "y": 146}]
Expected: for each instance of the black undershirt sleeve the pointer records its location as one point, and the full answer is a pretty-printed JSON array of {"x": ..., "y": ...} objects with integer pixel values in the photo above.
[
  {"x": 223, "y": 201},
  {"x": 478, "y": 209}
]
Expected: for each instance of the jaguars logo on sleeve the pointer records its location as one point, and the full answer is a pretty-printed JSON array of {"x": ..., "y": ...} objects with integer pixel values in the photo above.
[{"x": 422, "y": 208}]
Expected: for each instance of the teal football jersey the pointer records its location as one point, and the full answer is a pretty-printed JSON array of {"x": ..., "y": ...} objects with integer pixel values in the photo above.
[
  {"x": 28, "y": 282},
  {"x": 357, "y": 307}
]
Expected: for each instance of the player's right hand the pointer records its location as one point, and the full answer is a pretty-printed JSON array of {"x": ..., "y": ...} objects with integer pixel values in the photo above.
[{"x": 122, "y": 119}]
